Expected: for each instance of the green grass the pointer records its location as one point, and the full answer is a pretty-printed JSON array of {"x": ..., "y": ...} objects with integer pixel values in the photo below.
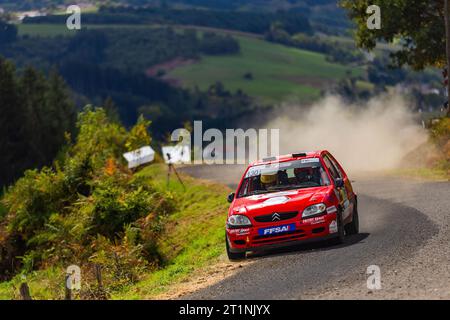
[
  {"x": 44, "y": 285},
  {"x": 88, "y": 9},
  {"x": 193, "y": 238},
  {"x": 364, "y": 85},
  {"x": 278, "y": 71}
]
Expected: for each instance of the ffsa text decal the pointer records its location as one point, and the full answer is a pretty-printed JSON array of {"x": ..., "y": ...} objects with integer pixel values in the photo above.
[{"x": 252, "y": 310}]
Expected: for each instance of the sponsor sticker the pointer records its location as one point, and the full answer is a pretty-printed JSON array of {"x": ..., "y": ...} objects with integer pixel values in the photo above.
[
  {"x": 333, "y": 227},
  {"x": 240, "y": 232},
  {"x": 253, "y": 173},
  {"x": 310, "y": 160},
  {"x": 331, "y": 209},
  {"x": 314, "y": 220},
  {"x": 276, "y": 230}
]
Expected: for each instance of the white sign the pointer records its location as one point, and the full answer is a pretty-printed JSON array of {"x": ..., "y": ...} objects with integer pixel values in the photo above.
[
  {"x": 177, "y": 154},
  {"x": 140, "y": 156}
]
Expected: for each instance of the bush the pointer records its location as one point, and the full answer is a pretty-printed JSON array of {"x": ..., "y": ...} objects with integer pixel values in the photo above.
[
  {"x": 89, "y": 208},
  {"x": 214, "y": 44},
  {"x": 440, "y": 135}
]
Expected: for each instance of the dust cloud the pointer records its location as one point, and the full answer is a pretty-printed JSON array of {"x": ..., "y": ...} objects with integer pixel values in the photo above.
[{"x": 376, "y": 135}]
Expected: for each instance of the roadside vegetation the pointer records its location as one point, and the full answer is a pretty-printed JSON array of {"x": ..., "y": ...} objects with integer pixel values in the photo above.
[
  {"x": 440, "y": 136},
  {"x": 89, "y": 210}
]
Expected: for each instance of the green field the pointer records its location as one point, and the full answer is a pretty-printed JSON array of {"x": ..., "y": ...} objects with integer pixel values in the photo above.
[
  {"x": 279, "y": 72},
  {"x": 51, "y": 30}
]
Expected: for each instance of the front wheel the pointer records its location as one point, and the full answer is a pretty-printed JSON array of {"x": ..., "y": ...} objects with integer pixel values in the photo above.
[
  {"x": 233, "y": 255},
  {"x": 339, "y": 239},
  {"x": 353, "y": 227}
]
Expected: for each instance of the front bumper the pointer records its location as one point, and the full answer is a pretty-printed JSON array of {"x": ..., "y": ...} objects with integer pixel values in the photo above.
[{"x": 306, "y": 231}]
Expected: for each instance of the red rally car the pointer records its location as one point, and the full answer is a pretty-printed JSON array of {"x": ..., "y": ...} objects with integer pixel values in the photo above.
[{"x": 288, "y": 200}]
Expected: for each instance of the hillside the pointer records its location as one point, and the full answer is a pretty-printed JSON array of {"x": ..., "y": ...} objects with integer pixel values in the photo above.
[{"x": 277, "y": 72}]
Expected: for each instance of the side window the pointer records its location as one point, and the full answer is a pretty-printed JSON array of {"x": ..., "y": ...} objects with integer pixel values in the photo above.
[
  {"x": 244, "y": 187},
  {"x": 334, "y": 173},
  {"x": 336, "y": 166},
  {"x": 324, "y": 177}
]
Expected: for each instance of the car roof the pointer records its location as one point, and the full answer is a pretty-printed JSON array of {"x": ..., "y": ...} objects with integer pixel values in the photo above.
[{"x": 289, "y": 157}]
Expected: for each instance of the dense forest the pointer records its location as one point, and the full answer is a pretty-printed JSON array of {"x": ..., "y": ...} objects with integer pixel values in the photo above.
[
  {"x": 255, "y": 22},
  {"x": 109, "y": 47},
  {"x": 36, "y": 112},
  {"x": 98, "y": 65}
]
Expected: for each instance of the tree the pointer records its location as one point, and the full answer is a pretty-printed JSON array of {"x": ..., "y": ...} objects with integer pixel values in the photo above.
[
  {"x": 111, "y": 110},
  {"x": 33, "y": 87},
  {"x": 60, "y": 115},
  {"x": 8, "y": 33},
  {"x": 12, "y": 134},
  {"x": 418, "y": 26},
  {"x": 35, "y": 114}
]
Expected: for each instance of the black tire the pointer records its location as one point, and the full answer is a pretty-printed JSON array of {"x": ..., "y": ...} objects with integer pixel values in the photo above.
[
  {"x": 353, "y": 227},
  {"x": 233, "y": 256},
  {"x": 339, "y": 239}
]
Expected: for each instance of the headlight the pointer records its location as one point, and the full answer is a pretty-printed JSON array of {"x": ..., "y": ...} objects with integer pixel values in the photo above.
[
  {"x": 238, "y": 220},
  {"x": 313, "y": 210}
]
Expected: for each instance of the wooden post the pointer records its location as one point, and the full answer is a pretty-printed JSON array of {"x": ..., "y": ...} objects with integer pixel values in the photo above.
[
  {"x": 447, "y": 38},
  {"x": 98, "y": 275},
  {"x": 25, "y": 291}
]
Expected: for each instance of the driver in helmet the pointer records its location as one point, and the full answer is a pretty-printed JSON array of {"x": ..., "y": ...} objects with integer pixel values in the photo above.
[
  {"x": 269, "y": 179},
  {"x": 303, "y": 175}
]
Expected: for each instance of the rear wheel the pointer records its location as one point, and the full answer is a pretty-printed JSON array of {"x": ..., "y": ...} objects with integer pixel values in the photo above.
[
  {"x": 353, "y": 227},
  {"x": 233, "y": 255}
]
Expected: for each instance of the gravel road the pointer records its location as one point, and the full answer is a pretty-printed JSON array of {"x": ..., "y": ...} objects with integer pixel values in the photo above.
[{"x": 404, "y": 229}]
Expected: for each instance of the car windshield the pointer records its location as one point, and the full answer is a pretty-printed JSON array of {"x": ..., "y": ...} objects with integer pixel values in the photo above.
[{"x": 296, "y": 174}]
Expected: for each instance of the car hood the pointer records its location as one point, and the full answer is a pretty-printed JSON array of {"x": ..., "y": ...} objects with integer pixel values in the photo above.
[{"x": 283, "y": 201}]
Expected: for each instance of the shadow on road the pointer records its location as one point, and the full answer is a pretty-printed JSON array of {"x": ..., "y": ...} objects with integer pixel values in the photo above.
[{"x": 305, "y": 248}]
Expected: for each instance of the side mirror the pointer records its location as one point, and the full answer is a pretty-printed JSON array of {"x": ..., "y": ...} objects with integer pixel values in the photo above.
[
  {"x": 339, "y": 183},
  {"x": 230, "y": 197}
]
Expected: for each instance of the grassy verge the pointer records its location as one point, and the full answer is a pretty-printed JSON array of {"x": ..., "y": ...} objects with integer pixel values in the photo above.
[
  {"x": 192, "y": 239},
  {"x": 421, "y": 173}
]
